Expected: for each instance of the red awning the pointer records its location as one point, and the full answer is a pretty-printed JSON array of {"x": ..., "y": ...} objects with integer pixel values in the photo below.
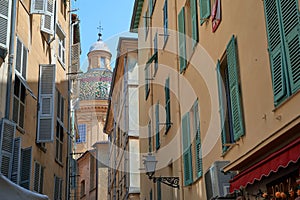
[{"x": 281, "y": 158}]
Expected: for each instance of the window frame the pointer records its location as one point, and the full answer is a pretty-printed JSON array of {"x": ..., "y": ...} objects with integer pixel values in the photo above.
[
  {"x": 19, "y": 100},
  {"x": 80, "y": 126},
  {"x": 166, "y": 21}
]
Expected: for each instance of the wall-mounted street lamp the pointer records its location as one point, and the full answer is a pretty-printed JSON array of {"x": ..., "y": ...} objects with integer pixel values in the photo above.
[{"x": 150, "y": 166}]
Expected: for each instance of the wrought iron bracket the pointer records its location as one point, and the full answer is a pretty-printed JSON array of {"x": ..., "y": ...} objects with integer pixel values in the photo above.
[{"x": 170, "y": 181}]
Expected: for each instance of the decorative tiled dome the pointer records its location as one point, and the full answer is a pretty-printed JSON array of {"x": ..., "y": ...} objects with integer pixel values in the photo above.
[{"x": 95, "y": 84}]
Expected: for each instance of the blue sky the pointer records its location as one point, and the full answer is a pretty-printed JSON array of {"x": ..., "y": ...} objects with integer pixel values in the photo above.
[{"x": 115, "y": 17}]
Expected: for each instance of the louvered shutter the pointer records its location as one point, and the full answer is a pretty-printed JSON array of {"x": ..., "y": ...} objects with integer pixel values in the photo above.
[
  {"x": 168, "y": 104},
  {"x": 48, "y": 19},
  {"x": 291, "y": 29},
  {"x": 198, "y": 140},
  {"x": 57, "y": 188},
  {"x": 46, "y": 104},
  {"x": 187, "y": 153},
  {"x": 275, "y": 50},
  {"x": 155, "y": 53},
  {"x": 37, "y": 170},
  {"x": 204, "y": 10},
  {"x": 157, "y": 126},
  {"x": 149, "y": 137},
  {"x": 4, "y": 17},
  {"x": 8, "y": 130},
  {"x": 75, "y": 55},
  {"x": 221, "y": 106},
  {"x": 194, "y": 16},
  {"x": 16, "y": 165},
  {"x": 38, "y": 6},
  {"x": 158, "y": 184},
  {"x": 235, "y": 101},
  {"x": 182, "y": 42},
  {"x": 26, "y": 167}
]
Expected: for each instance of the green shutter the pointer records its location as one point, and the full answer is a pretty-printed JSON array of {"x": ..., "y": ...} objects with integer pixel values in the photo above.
[
  {"x": 187, "y": 153},
  {"x": 221, "y": 106},
  {"x": 204, "y": 10},
  {"x": 198, "y": 140},
  {"x": 158, "y": 190},
  {"x": 157, "y": 126},
  {"x": 291, "y": 29},
  {"x": 275, "y": 49},
  {"x": 182, "y": 42},
  {"x": 147, "y": 87},
  {"x": 150, "y": 195},
  {"x": 167, "y": 106},
  {"x": 235, "y": 101},
  {"x": 194, "y": 22}
]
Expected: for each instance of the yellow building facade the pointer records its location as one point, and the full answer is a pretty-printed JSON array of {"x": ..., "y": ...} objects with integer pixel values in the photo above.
[
  {"x": 36, "y": 135},
  {"x": 218, "y": 94}
]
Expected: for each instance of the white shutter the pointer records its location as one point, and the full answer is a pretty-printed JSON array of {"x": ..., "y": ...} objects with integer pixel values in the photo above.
[
  {"x": 38, "y": 6},
  {"x": 48, "y": 19},
  {"x": 4, "y": 22},
  {"x": 7, "y": 135},
  {"x": 26, "y": 155},
  {"x": 15, "y": 173},
  {"x": 45, "y": 129}
]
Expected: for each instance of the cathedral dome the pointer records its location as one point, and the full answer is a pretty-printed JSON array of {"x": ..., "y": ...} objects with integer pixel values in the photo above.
[{"x": 95, "y": 84}]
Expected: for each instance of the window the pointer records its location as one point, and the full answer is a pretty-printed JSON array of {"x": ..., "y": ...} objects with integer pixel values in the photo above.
[
  {"x": 182, "y": 41},
  {"x": 166, "y": 21},
  {"x": 204, "y": 10},
  {"x": 63, "y": 6},
  {"x": 59, "y": 142},
  {"x": 38, "y": 177},
  {"x": 21, "y": 59},
  {"x": 102, "y": 62},
  {"x": 168, "y": 104},
  {"x": 19, "y": 102},
  {"x": 26, "y": 157},
  {"x": 82, "y": 133},
  {"x": 230, "y": 102},
  {"x": 151, "y": 195},
  {"x": 155, "y": 54},
  {"x": 82, "y": 188},
  {"x": 45, "y": 129},
  {"x": 146, "y": 23},
  {"x": 191, "y": 141},
  {"x": 61, "y": 45},
  {"x": 147, "y": 80},
  {"x": 282, "y": 23},
  {"x": 4, "y": 19},
  {"x": 157, "y": 136},
  {"x": 149, "y": 137},
  {"x": 57, "y": 188}
]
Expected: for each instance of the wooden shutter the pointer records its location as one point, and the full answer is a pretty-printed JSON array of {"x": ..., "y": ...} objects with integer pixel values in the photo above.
[
  {"x": 57, "y": 188},
  {"x": 194, "y": 15},
  {"x": 275, "y": 50},
  {"x": 7, "y": 135},
  {"x": 187, "y": 153},
  {"x": 221, "y": 106},
  {"x": 48, "y": 19},
  {"x": 198, "y": 148},
  {"x": 157, "y": 126},
  {"x": 38, "y": 6},
  {"x": 291, "y": 29},
  {"x": 168, "y": 104},
  {"x": 182, "y": 42},
  {"x": 26, "y": 155},
  {"x": 235, "y": 101},
  {"x": 204, "y": 10},
  {"x": 46, "y": 104},
  {"x": 16, "y": 165},
  {"x": 4, "y": 17},
  {"x": 75, "y": 62}
]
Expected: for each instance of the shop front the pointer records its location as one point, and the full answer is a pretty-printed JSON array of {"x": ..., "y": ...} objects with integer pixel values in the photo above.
[{"x": 276, "y": 177}]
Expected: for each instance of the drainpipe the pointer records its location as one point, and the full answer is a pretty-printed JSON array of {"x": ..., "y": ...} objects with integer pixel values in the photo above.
[{"x": 10, "y": 57}]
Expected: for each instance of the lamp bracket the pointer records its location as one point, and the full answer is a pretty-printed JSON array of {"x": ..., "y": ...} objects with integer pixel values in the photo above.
[{"x": 170, "y": 181}]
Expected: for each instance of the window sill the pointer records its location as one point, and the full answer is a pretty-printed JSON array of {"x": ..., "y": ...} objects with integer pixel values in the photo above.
[
  {"x": 42, "y": 148},
  {"x": 21, "y": 130},
  {"x": 285, "y": 101},
  {"x": 59, "y": 162}
]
